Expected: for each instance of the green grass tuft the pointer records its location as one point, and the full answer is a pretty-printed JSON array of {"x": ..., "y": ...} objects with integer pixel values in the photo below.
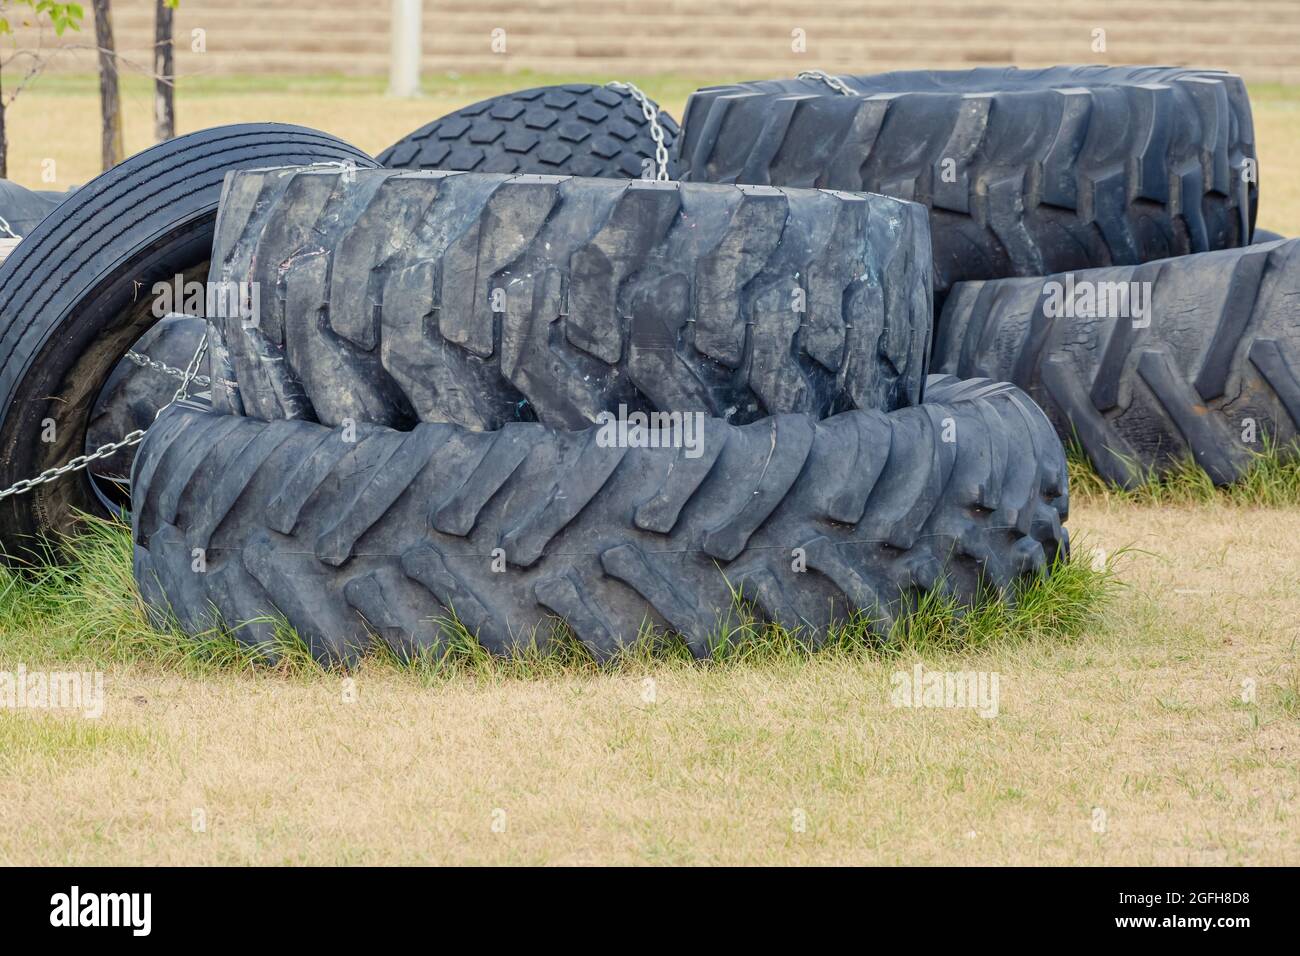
[
  {"x": 1271, "y": 481},
  {"x": 89, "y": 610}
]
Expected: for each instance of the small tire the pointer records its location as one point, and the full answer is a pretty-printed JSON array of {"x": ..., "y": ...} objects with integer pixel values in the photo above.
[
  {"x": 572, "y": 130},
  {"x": 384, "y": 535},
  {"x": 77, "y": 292},
  {"x": 22, "y": 209},
  {"x": 481, "y": 299},
  {"x": 1026, "y": 172},
  {"x": 1209, "y": 369},
  {"x": 134, "y": 395}
]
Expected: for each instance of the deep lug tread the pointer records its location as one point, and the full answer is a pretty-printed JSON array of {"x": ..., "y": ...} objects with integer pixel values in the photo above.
[
  {"x": 1212, "y": 363},
  {"x": 393, "y": 538},
  {"x": 496, "y": 299},
  {"x": 1027, "y": 172}
]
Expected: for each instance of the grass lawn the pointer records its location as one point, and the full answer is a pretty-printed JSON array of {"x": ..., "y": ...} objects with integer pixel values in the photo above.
[{"x": 1158, "y": 724}]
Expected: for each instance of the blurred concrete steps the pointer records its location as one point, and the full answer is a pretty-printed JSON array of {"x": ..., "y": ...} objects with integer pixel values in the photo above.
[{"x": 735, "y": 38}]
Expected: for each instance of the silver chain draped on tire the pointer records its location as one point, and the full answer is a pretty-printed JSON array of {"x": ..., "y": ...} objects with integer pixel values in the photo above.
[
  {"x": 144, "y": 361},
  {"x": 834, "y": 82},
  {"x": 188, "y": 378},
  {"x": 651, "y": 114}
]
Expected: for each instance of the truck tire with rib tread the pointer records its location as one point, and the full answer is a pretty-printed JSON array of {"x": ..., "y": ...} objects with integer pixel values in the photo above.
[
  {"x": 393, "y": 297},
  {"x": 572, "y": 130},
  {"x": 1026, "y": 172},
  {"x": 78, "y": 291},
  {"x": 1210, "y": 370},
  {"x": 392, "y": 532}
]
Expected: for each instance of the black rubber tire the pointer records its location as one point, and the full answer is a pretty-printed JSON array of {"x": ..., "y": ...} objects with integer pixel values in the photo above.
[
  {"x": 133, "y": 394},
  {"x": 1263, "y": 235},
  {"x": 571, "y": 130},
  {"x": 1221, "y": 351},
  {"x": 394, "y": 531},
  {"x": 1056, "y": 169},
  {"x": 76, "y": 293},
  {"x": 482, "y": 299},
  {"x": 22, "y": 208}
]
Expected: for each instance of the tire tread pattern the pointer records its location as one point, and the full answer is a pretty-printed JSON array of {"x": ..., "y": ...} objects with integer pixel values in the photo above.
[
  {"x": 1026, "y": 172},
  {"x": 1210, "y": 371},
  {"x": 387, "y": 537},
  {"x": 574, "y": 130},
  {"x": 394, "y": 297}
]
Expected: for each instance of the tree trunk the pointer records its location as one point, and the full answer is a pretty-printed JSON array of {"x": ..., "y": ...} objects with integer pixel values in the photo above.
[
  {"x": 164, "y": 80},
  {"x": 4, "y": 138},
  {"x": 110, "y": 100}
]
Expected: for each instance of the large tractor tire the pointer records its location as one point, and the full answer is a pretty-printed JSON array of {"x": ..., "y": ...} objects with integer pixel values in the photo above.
[
  {"x": 1026, "y": 172},
  {"x": 571, "y": 130},
  {"x": 1207, "y": 371},
  {"x": 397, "y": 297},
  {"x": 76, "y": 293},
  {"x": 364, "y": 534}
]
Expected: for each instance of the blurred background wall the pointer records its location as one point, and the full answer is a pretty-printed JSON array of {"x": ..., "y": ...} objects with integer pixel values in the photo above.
[{"x": 1258, "y": 38}]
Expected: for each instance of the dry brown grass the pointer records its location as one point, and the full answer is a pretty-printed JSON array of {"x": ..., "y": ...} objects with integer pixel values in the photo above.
[
  {"x": 58, "y": 119},
  {"x": 1143, "y": 718}
]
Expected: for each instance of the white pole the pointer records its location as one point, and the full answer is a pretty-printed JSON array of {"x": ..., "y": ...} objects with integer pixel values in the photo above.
[{"x": 404, "y": 60}]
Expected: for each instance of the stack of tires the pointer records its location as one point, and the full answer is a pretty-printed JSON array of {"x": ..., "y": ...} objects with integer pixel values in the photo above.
[
  {"x": 1093, "y": 232},
  {"x": 458, "y": 405},
  {"x": 504, "y": 384}
]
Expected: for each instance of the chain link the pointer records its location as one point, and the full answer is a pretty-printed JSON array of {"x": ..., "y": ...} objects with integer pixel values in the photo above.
[
  {"x": 144, "y": 361},
  {"x": 651, "y": 114},
  {"x": 76, "y": 464},
  {"x": 191, "y": 375},
  {"x": 834, "y": 82},
  {"x": 188, "y": 377}
]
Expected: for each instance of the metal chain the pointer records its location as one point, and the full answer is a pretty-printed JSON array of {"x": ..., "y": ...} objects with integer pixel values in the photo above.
[
  {"x": 651, "y": 114},
  {"x": 188, "y": 377},
  {"x": 4, "y": 225},
  {"x": 191, "y": 375},
  {"x": 144, "y": 361},
  {"x": 76, "y": 464},
  {"x": 834, "y": 82}
]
